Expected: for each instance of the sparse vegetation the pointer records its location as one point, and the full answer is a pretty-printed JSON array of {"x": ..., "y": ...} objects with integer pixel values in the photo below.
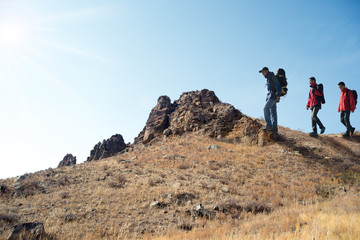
[{"x": 297, "y": 188}]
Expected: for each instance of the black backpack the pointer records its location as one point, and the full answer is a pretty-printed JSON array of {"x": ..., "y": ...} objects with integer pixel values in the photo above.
[
  {"x": 355, "y": 95},
  {"x": 320, "y": 88},
  {"x": 281, "y": 76}
]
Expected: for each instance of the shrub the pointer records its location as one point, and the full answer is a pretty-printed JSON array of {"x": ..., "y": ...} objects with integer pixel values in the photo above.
[{"x": 118, "y": 182}]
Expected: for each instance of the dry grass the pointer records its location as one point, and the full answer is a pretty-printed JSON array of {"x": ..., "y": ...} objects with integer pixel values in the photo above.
[
  {"x": 322, "y": 220},
  {"x": 293, "y": 189}
]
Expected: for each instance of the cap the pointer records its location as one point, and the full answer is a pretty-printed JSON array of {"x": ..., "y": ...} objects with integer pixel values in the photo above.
[{"x": 263, "y": 69}]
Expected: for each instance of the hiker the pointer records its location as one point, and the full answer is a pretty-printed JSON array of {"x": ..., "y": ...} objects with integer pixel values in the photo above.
[
  {"x": 346, "y": 104},
  {"x": 272, "y": 97},
  {"x": 314, "y": 104}
]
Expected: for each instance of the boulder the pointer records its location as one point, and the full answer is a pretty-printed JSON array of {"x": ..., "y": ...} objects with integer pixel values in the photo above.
[
  {"x": 68, "y": 160},
  {"x": 30, "y": 230},
  {"x": 107, "y": 148}
]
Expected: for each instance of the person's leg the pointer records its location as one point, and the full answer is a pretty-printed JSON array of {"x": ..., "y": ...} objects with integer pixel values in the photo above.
[
  {"x": 342, "y": 118},
  {"x": 267, "y": 110},
  {"x": 315, "y": 119},
  {"x": 314, "y": 112},
  {"x": 273, "y": 112},
  {"x": 347, "y": 120},
  {"x": 351, "y": 128}
]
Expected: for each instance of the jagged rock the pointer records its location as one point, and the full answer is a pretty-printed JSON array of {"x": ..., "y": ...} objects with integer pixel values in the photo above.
[
  {"x": 202, "y": 110},
  {"x": 193, "y": 111},
  {"x": 158, "y": 120},
  {"x": 247, "y": 131},
  {"x": 68, "y": 160},
  {"x": 29, "y": 230},
  {"x": 107, "y": 148}
]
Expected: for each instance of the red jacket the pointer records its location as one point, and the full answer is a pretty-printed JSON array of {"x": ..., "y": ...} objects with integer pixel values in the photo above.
[
  {"x": 314, "y": 93},
  {"x": 347, "y": 101}
]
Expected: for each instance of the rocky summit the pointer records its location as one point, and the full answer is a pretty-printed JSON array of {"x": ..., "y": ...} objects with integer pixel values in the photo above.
[
  {"x": 107, "y": 148},
  {"x": 200, "y": 111}
]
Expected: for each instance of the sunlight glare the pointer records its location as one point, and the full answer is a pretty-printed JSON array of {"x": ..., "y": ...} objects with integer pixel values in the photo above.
[{"x": 12, "y": 35}]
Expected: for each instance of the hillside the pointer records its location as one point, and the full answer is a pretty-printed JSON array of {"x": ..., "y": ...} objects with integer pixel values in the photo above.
[{"x": 203, "y": 182}]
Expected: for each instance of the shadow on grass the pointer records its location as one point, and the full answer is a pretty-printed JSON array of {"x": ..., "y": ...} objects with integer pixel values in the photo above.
[{"x": 317, "y": 155}]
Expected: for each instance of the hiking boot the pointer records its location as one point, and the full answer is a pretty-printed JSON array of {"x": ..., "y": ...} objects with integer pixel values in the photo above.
[
  {"x": 347, "y": 134},
  {"x": 352, "y": 131},
  {"x": 313, "y": 133},
  {"x": 276, "y": 136},
  {"x": 322, "y": 130}
]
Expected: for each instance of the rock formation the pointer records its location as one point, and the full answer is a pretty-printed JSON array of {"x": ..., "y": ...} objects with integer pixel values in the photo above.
[
  {"x": 200, "y": 111},
  {"x": 107, "y": 148},
  {"x": 68, "y": 160},
  {"x": 195, "y": 111}
]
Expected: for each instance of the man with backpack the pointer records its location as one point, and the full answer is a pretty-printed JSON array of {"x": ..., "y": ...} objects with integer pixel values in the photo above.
[
  {"x": 272, "y": 97},
  {"x": 346, "y": 104},
  {"x": 316, "y": 98}
]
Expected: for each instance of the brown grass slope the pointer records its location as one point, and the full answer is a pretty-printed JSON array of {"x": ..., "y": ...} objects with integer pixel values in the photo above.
[{"x": 296, "y": 188}]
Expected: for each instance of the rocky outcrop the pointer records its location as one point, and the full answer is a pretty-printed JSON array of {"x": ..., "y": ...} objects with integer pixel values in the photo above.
[
  {"x": 107, "y": 148},
  {"x": 68, "y": 160},
  {"x": 200, "y": 111}
]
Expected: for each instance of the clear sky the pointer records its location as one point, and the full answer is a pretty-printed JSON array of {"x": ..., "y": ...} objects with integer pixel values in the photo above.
[{"x": 73, "y": 73}]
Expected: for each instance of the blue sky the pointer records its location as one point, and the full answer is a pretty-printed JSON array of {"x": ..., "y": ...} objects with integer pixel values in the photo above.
[{"x": 73, "y": 73}]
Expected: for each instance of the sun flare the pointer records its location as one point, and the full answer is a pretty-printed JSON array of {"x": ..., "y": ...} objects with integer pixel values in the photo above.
[
  {"x": 13, "y": 36},
  {"x": 17, "y": 29}
]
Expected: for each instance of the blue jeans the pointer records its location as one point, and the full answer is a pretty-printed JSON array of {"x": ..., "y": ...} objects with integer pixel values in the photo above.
[{"x": 270, "y": 114}]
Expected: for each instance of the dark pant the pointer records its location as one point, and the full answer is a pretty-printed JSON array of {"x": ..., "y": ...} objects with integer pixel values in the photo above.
[
  {"x": 315, "y": 120},
  {"x": 345, "y": 119}
]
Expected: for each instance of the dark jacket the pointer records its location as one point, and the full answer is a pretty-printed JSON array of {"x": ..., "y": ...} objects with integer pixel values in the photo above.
[
  {"x": 347, "y": 101},
  {"x": 273, "y": 86},
  {"x": 313, "y": 100}
]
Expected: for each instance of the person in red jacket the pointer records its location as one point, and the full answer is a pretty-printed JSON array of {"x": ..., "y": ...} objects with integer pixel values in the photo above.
[
  {"x": 346, "y": 105},
  {"x": 315, "y": 105}
]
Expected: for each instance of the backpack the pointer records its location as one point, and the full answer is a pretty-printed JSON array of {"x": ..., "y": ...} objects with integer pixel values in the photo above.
[
  {"x": 355, "y": 95},
  {"x": 281, "y": 76},
  {"x": 320, "y": 88}
]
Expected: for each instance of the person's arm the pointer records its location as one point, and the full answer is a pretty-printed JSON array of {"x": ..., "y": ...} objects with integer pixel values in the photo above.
[
  {"x": 308, "y": 102},
  {"x": 341, "y": 100}
]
